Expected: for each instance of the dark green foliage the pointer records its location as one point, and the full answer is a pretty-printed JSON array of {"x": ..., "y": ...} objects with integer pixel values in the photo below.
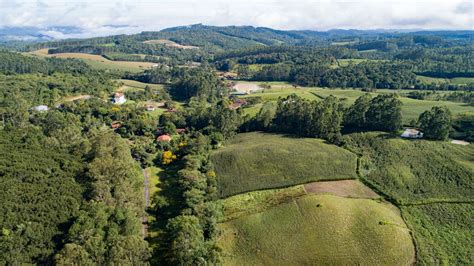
[
  {"x": 435, "y": 123},
  {"x": 320, "y": 119},
  {"x": 197, "y": 82},
  {"x": 355, "y": 116},
  {"x": 39, "y": 196},
  {"x": 108, "y": 227},
  {"x": 384, "y": 113}
]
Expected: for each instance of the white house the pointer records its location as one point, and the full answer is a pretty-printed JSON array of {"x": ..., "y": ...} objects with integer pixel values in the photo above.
[
  {"x": 412, "y": 133},
  {"x": 119, "y": 98},
  {"x": 41, "y": 108}
]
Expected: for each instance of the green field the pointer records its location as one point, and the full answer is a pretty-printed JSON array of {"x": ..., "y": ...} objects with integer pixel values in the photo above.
[
  {"x": 254, "y": 161},
  {"x": 128, "y": 83},
  {"x": 415, "y": 171},
  {"x": 98, "y": 62},
  {"x": 411, "y": 108},
  {"x": 443, "y": 233},
  {"x": 319, "y": 230},
  {"x": 455, "y": 81}
]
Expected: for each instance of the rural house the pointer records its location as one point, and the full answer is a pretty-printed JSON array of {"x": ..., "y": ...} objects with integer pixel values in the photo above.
[
  {"x": 164, "y": 138},
  {"x": 119, "y": 98},
  {"x": 41, "y": 108},
  {"x": 412, "y": 133}
]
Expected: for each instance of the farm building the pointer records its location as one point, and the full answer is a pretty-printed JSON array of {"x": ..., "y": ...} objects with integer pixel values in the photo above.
[
  {"x": 150, "y": 107},
  {"x": 119, "y": 98},
  {"x": 164, "y": 138},
  {"x": 116, "y": 125},
  {"x": 412, "y": 133},
  {"x": 41, "y": 108}
]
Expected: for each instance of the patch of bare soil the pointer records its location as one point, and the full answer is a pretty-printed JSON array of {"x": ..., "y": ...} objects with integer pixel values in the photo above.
[{"x": 342, "y": 188}]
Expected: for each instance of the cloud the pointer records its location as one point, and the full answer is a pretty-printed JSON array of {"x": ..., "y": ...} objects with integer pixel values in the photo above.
[{"x": 139, "y": 15}]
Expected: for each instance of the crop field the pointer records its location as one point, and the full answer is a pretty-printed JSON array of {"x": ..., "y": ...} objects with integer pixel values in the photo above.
[
  {"x": 354, "y": 61},
  {"x": 416, "y": 171},
  {"x": 319, "y": 230},
  {"x": 99, "y": 62},
  {"x": 254, "y": 161},
  {"x": 443, "y": 232},
  {"x": 411, "y": 108}
]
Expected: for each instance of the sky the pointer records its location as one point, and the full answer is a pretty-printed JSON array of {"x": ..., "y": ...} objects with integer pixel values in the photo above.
[{"x": 107, "y": 17}]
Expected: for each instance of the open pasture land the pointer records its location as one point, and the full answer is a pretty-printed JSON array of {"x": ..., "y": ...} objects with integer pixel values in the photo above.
[
  {"x": 129, "y": 84},
  {"x": 455, "y": 81},
  {"x": 170, "y": 44},
  {"x": 253, "y": 161},
  {"x": 319, "y": 230},
  {"x": 415, "y": 171},
  {"x": 411, "y": 108},
  {"x": 99, "y": 62},
  {"x": 443, "y": 232}
]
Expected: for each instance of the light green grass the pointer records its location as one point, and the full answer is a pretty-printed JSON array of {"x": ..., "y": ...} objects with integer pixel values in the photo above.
[
  {"x": 253, "y": 161},
  {"x": 341, "y": 231},
  {"x": 456, "y": 81},
  {"x": 443, "y": 233},
  {"x": 415, "y": 171},
  {"x": 411, "y": 108}
]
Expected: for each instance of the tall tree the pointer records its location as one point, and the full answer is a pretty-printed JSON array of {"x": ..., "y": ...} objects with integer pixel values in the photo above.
[{"x": 436, "y": 123}]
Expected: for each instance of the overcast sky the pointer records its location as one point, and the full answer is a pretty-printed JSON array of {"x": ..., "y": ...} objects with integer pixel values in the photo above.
[{"x": 100, "y": 17}]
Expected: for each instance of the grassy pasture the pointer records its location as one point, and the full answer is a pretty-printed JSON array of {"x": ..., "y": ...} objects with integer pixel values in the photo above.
[
  {"x": 170, "y": 44},
  {"x": 319, "y": 230},
  {"x": 415, "y": 171},
  {"x": 411, "y": 108},
  {"x": 443, "y": 233},
  {"x": 456, "y": 81},
  {"x": 133, "y": 84},
  {"x": 254, "y": 161},
  {"x": 98, "y": 62}
]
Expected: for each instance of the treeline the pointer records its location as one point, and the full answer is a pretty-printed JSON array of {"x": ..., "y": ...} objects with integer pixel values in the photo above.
[
  {"x": 108, "y": 227},
  {"x": 325, "y": 119},
  {"x": 15, "y": 63},
  {"x": 193, "y": 233}
]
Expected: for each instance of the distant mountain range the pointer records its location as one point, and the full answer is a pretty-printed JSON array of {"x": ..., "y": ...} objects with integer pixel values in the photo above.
[{"x": 236, "y": 34}]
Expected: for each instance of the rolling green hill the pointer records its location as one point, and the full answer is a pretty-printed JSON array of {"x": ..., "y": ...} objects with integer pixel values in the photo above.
[
  {"x": 319, "y": 230},
  {"x": 254, "y": 161}
]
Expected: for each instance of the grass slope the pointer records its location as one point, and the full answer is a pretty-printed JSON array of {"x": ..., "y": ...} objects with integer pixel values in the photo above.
[
  {"x": 317, "y": 230},
  {"x": 98, "y": 62},
  {"x": 443, "y": 233},
  {"x": 253, "y": 161},
  {"x": 414, "y": 172}
]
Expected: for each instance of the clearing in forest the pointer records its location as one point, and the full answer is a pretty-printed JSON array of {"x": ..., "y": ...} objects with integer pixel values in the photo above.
[{"x": 170, "y": 44}]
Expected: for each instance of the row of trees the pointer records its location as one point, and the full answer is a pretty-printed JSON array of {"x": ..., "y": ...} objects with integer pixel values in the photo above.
[
  {"x": 193, "y": 233},
  {"x": 325, "y": 119}
]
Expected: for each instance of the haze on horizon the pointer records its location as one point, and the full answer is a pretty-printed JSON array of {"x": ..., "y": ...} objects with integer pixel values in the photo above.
[{"x": 108, "y": 17}]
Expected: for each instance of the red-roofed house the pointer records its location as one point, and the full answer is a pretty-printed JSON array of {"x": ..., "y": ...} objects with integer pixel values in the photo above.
[{"x": 164, "y": 138}]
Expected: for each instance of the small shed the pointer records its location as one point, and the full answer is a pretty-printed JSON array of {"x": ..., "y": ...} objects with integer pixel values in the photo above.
[{"x": 119, "y": 98}]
